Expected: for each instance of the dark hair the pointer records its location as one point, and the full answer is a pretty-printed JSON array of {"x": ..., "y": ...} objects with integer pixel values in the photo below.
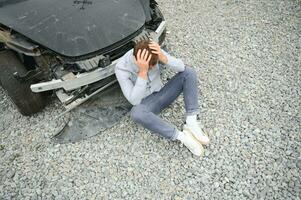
[{"x": 143, "y": 44}]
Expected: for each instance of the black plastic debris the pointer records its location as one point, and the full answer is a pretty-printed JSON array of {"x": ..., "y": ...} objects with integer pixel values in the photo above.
[{"x": 100, "y": 112}]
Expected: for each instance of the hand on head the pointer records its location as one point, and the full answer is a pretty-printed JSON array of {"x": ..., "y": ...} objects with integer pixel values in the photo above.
[
  {"x": 146, "y": 53},
  {"x": 143, "y": 58},
  {"x": 155, "y": 47}
]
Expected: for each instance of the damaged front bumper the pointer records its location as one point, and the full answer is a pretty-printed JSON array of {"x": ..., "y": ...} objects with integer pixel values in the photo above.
[{"x": 72, "y": 81}]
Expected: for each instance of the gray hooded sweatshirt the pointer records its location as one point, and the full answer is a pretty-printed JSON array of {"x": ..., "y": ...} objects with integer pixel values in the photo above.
[{"x": 134, "y": 87}]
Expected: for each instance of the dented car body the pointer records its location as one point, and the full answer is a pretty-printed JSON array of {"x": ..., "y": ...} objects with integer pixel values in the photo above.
[{"x": 69, "y": 47}]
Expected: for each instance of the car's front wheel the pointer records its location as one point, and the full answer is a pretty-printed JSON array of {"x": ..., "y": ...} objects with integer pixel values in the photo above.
[{"x": 20, "y": 93}]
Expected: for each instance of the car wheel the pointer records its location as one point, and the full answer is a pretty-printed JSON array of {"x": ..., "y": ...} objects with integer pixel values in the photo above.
[{"x": 26, "y": 101}]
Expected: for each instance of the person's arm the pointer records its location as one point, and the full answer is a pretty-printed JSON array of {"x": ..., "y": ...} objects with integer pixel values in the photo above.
[
  {"x": 175, "y": 64},
  {"x": 133, "y": 93}
]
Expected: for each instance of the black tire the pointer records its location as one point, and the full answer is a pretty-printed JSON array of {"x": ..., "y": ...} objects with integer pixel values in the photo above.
[{"x": 26, "y": 101}]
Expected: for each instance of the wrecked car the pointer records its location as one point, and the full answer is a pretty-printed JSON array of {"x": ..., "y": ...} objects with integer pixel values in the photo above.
[{"x": 69, "y": 48}]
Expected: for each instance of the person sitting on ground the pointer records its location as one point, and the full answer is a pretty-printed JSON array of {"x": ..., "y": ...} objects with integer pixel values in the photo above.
[{"x": 138, "y": 74}]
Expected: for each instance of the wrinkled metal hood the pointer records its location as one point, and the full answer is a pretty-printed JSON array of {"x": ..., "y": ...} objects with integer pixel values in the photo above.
[{"x": 74, "y": 27}]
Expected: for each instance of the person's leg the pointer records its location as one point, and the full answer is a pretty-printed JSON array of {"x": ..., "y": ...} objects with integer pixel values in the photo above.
[
  {"x": 186, "y": 82},
  {"x": 146, "y": 112},
  {"x": 188, "y": 79},
  {"x": 143, "y": 115}
]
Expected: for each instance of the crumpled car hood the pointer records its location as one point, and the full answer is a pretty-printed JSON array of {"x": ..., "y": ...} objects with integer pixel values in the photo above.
[{"x": 73, "y": 27}]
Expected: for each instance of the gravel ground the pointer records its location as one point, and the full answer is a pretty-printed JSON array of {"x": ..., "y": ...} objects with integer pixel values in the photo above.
[{"x": 247, "y": 54}]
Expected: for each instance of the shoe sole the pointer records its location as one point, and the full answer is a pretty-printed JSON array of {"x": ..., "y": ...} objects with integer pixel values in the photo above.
[
  {"x": 191, "y": 133},
  {"x": 201, "y": 147}
]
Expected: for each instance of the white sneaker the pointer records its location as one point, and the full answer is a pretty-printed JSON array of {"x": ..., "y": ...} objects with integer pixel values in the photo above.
[
  {"x": 197, "y": 132},
  {"x": 191, "y": 143}
]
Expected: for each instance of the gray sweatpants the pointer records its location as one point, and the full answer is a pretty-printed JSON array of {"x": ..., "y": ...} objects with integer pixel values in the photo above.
[{"x": 146, "y": 113}]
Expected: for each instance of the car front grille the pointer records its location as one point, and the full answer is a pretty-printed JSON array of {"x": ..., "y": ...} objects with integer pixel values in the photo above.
[{"x": 117, "y": 52}]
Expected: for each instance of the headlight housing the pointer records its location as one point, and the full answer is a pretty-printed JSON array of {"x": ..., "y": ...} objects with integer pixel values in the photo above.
[{"x": 155, "y": 15}]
